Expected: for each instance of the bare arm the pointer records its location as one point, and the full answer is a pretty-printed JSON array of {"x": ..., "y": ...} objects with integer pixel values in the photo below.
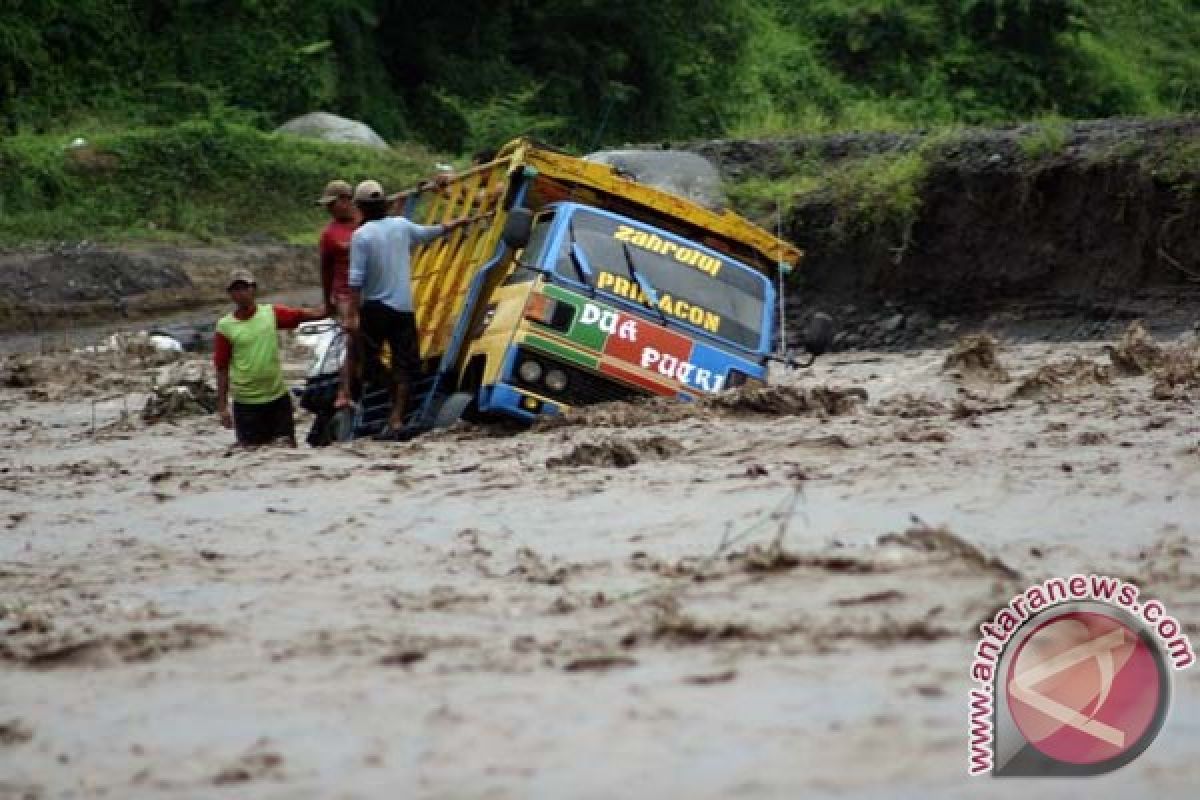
[
  {"x": 223, "y": 410},
  {"x": 351, "y": 321}
]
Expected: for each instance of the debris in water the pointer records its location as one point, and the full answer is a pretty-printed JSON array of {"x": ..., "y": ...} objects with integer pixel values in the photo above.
[
  {"x": 19, "y": 373},
  {"x": 403, "y": 658},
  {"x": 83, "y": 649},
  {"x": 887, "y": 632},
  {"x": 621, "y": 414},
  {"x": 918, "y": 436},
  {"x": 975, "y": 357},
  {"x": 712, "y": 678},
  {"x": 619, "y": 453},
  {"x": 257, "y": 764},
  {"x": 1052, "y": 381},
  {"x": 788, "y": 400},
  {"x": 186, "y": 399},
  {"x": 887, "y": 596},
  {"x": 672, "y": 625},
  {"x": 180, "y": 390},
  {"x": 534, "y": 569},
  {"x": 1136, "y": 353},
  {"x": 767, "y": 400},
  {"x": 953, "y": 547},
  {"x": 909, "y": 406},
  {"x": 14, "y": 731},
  {"x": 60, "y": 376},
  {"x": 598, "y": 663},
  {"x": 1179, "y": 370}
]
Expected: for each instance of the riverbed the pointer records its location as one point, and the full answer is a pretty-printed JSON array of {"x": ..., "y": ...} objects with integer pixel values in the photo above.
[{"x": 641, "y": 601}]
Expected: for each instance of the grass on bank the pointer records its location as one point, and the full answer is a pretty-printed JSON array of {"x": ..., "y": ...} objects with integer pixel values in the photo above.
[
  {"x": 880, "y": 190},
  {"x": 1047, "y": 137},
  {"x": 202, "y": 179}
]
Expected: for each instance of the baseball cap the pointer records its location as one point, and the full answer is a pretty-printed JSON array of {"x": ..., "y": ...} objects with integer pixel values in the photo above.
[
  {"x": 334, "y": 190},
  {"x": 368, "y": 191},
  {"x": 241, "y": 275}
]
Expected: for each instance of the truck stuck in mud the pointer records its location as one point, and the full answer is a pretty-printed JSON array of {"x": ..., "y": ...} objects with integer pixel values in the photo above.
[{"x": 580, "y": 284}]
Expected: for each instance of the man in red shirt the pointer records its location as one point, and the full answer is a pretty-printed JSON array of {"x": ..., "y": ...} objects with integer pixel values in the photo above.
[
  {"x": 334, "y": 248},
  {"x": 246, "y": 356}
]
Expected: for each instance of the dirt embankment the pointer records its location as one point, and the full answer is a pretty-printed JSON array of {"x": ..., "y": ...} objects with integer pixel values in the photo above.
[
  {"x": 1097, "y": 220},
  {"x": 86, "y": 283}
]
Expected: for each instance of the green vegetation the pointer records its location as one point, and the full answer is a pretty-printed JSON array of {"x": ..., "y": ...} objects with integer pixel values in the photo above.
[
  {"x": 879, "y": 190},
  {"x": 1046, "y": 138},
  {"x": 882, "y": 191},
  {"x": 457, "y": 74},
  {"x": 206, "y": 178},
  {"x": 177, "y": 96},
  {"x": 1176, "y": 165},
  {"x": 822, "y": 65},
  {"x": 1181, "y": 165},
  {"x": 760, "y": 197}
]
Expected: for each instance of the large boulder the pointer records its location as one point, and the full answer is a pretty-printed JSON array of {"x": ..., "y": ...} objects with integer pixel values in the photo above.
[
  {"x": 679, "y": 172},
  {"x": 332, "y": 128}
]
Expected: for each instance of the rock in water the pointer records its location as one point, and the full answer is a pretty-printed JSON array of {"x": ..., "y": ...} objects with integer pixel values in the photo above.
[{"x": 332, "y": 128}]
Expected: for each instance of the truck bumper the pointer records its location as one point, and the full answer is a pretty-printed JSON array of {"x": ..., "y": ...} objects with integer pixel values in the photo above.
[{"x": 504, "y": 399}]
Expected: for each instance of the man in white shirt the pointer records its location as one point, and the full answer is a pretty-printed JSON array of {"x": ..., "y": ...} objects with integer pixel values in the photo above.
[{"x": 380, "y": 281}]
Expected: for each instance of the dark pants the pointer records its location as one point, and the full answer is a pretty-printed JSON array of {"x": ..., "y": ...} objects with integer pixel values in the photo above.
[
  {"x": 263, "y": 423},
  {"x": 382, "y": 323}
]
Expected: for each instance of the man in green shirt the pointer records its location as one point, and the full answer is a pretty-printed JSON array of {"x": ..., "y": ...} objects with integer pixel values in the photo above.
[{"x": 246, "y": 356}]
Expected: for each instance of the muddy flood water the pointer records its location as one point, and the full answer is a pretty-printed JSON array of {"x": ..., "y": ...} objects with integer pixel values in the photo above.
[{"x": 773, "y": 595}]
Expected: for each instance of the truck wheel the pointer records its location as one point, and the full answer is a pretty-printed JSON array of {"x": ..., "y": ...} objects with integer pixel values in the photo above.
[
  {"x": 472, "y": 379},
  {"x": 452, "y": 408}
]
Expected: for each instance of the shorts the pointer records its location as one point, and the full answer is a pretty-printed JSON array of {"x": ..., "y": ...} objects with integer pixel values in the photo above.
[
  {"x": 263, "y": 423},
  {"x": 381, "y": 323}
]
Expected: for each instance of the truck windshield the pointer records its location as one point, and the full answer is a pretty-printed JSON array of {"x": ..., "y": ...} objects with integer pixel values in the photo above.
[{"x": 690, "y": 285}]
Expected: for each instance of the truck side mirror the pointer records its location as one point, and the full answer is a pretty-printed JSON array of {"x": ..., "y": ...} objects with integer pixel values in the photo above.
[
  {"x": 517, "y": 227},
  {"x": 818, "y": 336}
]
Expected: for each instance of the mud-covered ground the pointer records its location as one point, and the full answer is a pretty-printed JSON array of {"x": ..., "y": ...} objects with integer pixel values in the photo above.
[{"x": 772, "y": 595}]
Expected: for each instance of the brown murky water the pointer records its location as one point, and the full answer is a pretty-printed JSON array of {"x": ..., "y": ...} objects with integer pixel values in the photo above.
[{"x": 653, "y": 601}]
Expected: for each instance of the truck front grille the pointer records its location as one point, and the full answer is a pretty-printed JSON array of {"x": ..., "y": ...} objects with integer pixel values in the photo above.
[{"x": 583, "y": 387}]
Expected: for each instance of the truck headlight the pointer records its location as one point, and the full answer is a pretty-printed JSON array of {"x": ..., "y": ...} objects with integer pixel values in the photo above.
[
  {"x": 556, "y": 380},
  {"x": 530, "y": 371}
]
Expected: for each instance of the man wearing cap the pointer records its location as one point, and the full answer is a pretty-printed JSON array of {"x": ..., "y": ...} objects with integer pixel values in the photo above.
[
  {"x": 381, "y": 288},
  {"x": 334, "y": 247},
  {"x": 246, "y": 356},
  {"x": 334, "y": 244}
]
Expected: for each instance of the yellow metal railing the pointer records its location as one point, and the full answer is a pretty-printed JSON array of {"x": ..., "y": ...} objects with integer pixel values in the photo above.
[{"x": 443, "y": 269}]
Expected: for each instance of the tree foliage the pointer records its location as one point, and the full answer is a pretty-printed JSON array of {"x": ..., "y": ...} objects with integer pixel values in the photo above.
[{"x": 590, "y": 72}]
